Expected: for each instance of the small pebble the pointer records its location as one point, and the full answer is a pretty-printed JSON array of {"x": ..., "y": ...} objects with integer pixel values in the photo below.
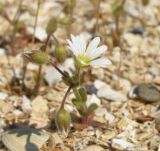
[
  {"x": 145, "y": 92},
  {"x": 91, "y": 89},
  {"x": 138, "y": 30}
]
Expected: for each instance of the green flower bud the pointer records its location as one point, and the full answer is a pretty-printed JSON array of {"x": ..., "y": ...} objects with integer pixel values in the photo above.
[
  {"x": 145, "y": 2},
  {"x": 52, "y": 26},
  {"x": 91, "y": 108},
  {"x": 67, "y": 20},
  {"x": 38, "y": 57},
  {"x": 60, "y": 53},
  {"x": 63, "y": 121}
]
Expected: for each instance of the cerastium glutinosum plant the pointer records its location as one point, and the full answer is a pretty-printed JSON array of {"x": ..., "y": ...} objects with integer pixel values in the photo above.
[{"x": 84, "y": 55}]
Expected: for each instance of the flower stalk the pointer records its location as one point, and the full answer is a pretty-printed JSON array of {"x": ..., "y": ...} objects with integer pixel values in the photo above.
[{"x": 65, "y": 96}]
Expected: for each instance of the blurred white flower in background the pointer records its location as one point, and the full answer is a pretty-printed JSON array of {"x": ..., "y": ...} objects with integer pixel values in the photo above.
[{"x": 86, "y": 55}]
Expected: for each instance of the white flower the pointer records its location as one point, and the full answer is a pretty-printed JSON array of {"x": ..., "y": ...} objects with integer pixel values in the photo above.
[{"x": 88, "y": 54}]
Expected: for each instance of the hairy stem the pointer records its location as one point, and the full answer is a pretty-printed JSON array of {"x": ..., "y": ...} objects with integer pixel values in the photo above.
[
  {"x": 58, "y": 69},
  {"x": 64, "y": 98}
]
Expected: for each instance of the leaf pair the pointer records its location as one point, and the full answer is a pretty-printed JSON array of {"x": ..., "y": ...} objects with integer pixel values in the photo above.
[{"x": 81, "y": 103}]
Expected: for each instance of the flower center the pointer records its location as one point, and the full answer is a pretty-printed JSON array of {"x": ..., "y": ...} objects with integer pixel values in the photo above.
[{"x": 84, "y": 59}]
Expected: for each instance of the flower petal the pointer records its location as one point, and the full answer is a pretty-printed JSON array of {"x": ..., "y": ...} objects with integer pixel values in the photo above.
[
  {"x": 73, "y": 48},
  {"x": 82, "y": 44},
  {"x": 98, "y": 51},
  {"x": 92, "y": 45},
  {"x": 77, "y": 45},
  {"x": 102, "y": 62}
]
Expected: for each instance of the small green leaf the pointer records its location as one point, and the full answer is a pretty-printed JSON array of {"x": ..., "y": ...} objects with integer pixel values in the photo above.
[
  {"x": 75, "y": 80},
  {"x": 78, "y": 103},
  {"x": 80, "y": 106},
  {"x": 83, "y": 94}
]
